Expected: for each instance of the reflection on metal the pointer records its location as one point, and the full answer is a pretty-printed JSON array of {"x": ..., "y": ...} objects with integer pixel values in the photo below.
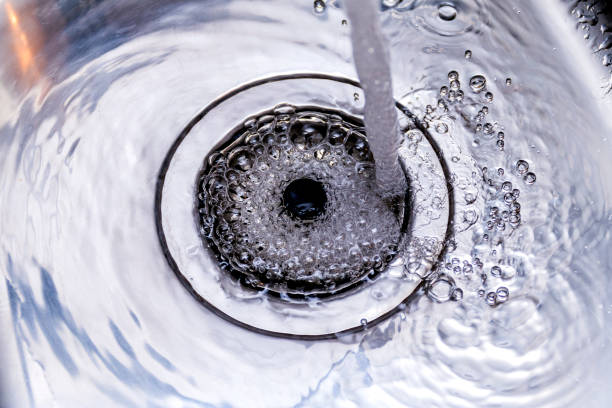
[{"x": 21, "y": 43}]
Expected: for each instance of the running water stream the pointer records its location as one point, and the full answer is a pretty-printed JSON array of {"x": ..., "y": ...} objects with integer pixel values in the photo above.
[{"x": 371, "y": 57}]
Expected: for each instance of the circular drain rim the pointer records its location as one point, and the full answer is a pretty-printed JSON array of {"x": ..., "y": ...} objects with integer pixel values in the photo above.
[{"x": 214, "y": 308}]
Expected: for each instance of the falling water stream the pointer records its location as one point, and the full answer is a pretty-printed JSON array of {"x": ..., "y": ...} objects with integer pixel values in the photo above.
[
  {"x": 157, "y": 250},
  {"x": 372, "y": 63}
]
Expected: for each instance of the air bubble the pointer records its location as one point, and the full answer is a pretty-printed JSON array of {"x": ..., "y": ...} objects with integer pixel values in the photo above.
[
  {"x": 319, "y": 6},
  {"x": 496, "y": 271},
  {"x": 390, "y": 3},
  {"x": 441, "y": 127},
  {"x": 414, "y": 135},
  {"x": 457, "y": 295},
  {"x": 508, "y": 81},
  {"x": 502, "y": 294},
  {"x": 468, "y": 54},
  {"x": 522, "y": 167},
  {"x": 530, "y": 178},
  {"x": 447, "y": 12},
  {"x": 453, "y": 76},
  {"x": 478, "y": 83},
  {"x": 440, "y": 290},
  {"x": 489, "y": 97}
]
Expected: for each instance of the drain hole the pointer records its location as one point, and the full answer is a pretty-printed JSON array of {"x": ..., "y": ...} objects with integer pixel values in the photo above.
[
  {"x": 287, "y": 204},
  {"x": 305, "y": 198}
]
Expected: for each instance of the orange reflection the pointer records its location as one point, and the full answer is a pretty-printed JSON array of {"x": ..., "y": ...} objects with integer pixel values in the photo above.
[{"x": 22, "y": 45}]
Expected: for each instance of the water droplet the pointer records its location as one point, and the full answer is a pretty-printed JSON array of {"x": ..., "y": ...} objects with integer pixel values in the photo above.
[
  {"x": 356, "y": 97},
  {"x": 441, "y": 127},
  {"x": 477, "y": 83},
  {"x": 522, "y": 167},
  {"x": 443, "y": 91},
  {"x": 468, "y": 54},
  {"x": 344, "y": 22},
  {"x": 447, "y": 12},
  {"x": 530, "y": 178},
  {"x": 489, "y": 97},
  {"x": 453, "y": 76},
  {"x": 500, "y": 144},
  {"x": 319, "y": 6},
  {"x": 455, "y": 85},
  {"x": 364, "y": 322},
  {"x": 491, "y": 298},
  {"x": 508, "y": 81}
]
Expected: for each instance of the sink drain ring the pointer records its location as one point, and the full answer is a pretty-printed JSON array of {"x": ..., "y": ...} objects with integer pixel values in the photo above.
[{"x": 191, "y": 261}]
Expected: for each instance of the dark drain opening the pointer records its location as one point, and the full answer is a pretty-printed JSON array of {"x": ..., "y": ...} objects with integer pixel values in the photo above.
[{"x": 305, "y": 198}]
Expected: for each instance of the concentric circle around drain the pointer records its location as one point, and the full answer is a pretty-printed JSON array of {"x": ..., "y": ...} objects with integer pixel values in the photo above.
[
  {"x": 368, "y": 298},
  {"x": 298, "y": 154}
]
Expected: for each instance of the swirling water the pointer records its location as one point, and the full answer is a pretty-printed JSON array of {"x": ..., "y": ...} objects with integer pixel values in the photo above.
[{"x": 92, "y": 99}]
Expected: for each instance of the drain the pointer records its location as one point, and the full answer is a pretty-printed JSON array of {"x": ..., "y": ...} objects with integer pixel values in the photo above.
[
  {"x": 305, "y": 198},
  {"x": 287, "y": 204},
  {"x": 272, "y": 222}
]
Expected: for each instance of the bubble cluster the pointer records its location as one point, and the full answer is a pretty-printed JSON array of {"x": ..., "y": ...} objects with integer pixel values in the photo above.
[
  {"x": 500, "y": 213},
  {"x": 504, "y": 209},
  {"x": 245, "y": 222}
]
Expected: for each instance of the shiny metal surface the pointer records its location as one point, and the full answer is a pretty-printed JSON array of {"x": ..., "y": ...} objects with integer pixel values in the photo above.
[{"x": 94, "y": 93}]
